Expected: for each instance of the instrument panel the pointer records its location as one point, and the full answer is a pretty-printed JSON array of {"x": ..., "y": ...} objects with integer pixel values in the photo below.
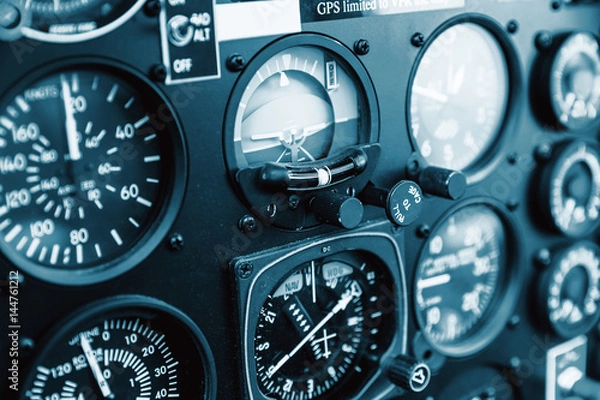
[{"x": 281, "y": 199}]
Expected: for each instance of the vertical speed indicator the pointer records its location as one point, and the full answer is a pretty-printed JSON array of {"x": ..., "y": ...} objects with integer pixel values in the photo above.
[{"x": 91, "y": 160}]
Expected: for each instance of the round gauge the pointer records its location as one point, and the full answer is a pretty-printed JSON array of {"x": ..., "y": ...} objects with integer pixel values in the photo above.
[
  {"x": 459, "y": 96},
  {"x": 462, "y": 277},
  {"x": 574, "y": 81},
  {"x": 570, "y": 290},
  {"x": 68, "y": 21},
  {"x": 571, "y": 188},
  {"x": 93, "y": 172},
  {"x": 300, "y": 103},
  {"x": 302, "y": 118},
  {"x": 126, "y": 348},
  {"x": 321, "y": 326}
]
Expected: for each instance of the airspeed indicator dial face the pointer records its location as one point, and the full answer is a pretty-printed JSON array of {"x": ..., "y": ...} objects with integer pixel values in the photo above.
[
  {"x": 86, "y": 165},
  {"x": 458, "y": 97}
]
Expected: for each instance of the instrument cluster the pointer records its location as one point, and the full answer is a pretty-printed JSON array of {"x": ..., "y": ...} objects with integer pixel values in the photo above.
[{"x": 300, "y": 200}]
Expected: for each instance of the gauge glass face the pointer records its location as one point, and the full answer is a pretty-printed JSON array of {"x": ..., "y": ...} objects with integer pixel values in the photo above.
[
  {"x": 302, "y": 104},
  {"x": 129, "y": 353},
  {"x": 575, "y": 81},
  {"x": 459, "y": 96},
  {"x": 319, "y": 326},
  {"x": 573, "y": 291},
  {"x": 76, "y": 20},
  {"x": 574, "y": 190},
  {"x": 86, "y": 168},
  {"x": 461, "y": 273}
]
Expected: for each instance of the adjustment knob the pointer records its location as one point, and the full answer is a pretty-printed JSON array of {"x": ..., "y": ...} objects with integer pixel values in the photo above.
[
  {"x": 409, "y": 373},
  {"x": 575, "y": 383},
  {"x": 336, "y": 209},
  {"x": 13, "y": 17},
  {"x": 402, "y": 203},
  {"x": 443, "y": 182}
]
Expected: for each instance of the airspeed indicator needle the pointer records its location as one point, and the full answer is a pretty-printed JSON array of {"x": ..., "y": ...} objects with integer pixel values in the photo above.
[{"x": 70, "y": 123}]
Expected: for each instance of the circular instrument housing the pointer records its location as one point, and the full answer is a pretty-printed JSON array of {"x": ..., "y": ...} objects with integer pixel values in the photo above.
[
  {"x": 570, "y": 188},
  {"x": 302, "y": 118},
  {"x": 463, "y": 90},
  {"x": 93, "y": 172},
  {"x": 125, "y": 347},
  {"x": 570, "y": 290},
  {"x": 70, "y": 21},
  {"x": 466, "y": 279},
  {"x": 568, "y": 82}
]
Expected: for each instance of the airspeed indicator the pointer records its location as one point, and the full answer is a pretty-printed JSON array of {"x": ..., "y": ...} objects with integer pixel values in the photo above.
[{"x": 86, "y": 169}]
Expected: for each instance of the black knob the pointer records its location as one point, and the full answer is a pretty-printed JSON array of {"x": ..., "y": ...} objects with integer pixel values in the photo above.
[
  {"x": 403, "y": 203},
  {"x": 336, "y": 209},
  {"x": 443, "y": 182},
  {"x": 409, "y": 373}
]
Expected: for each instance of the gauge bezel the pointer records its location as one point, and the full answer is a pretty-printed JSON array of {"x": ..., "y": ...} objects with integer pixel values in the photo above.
[
  {"x": 130, "y": 304},
  {"x": 553, "y": 80},
  {"x": 541, "y": 91},
  {"x": 171, "y": 195},
  {"x": 483, "y": 165},
  {"x": 502, "y": 305},
  {"x": 269, "y": 268},
  {"x": 544, "y": 291},
  {"x": 81, "y": 37},
  {"x": 356, "y": 70},
  {"x": 547, "y": 177}
]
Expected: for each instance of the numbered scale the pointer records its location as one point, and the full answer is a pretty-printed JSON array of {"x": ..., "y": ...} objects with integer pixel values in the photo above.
[
  {"x": 92, "y": 168},
  {"x": 570, "y": 189},
  {"x": 126, "y": 348},
  {"x": 460, "y": 94},
  {"x": 465, "y": 280},
  {"x": 321, "y": 321},
  {"x": 569, "y": 86},
  {"x": 570, "y": 290}
]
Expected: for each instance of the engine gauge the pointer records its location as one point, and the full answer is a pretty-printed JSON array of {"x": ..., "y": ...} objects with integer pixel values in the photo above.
[
  {"x": 465, "y": 280},
  {"x": 126, "y": 348},
  {"x": 570, "y": 192},
  {"x": 570, "y": 290},
  {"x": 93, "y": 172},
  {"x": 68, "y": 21},
  {"x": 459, "y": 96},
  {"x": 573, "y": 78}
]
